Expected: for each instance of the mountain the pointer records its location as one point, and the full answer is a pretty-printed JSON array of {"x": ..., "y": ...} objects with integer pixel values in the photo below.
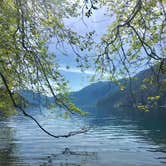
[
  {"x": 88, "y": 96},
  {"x": 146, "y": 91},
  {"x": 35, "y": 99}
]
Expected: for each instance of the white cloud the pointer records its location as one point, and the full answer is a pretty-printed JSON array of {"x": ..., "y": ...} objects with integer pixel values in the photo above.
[{"x": 77, "y": 70}]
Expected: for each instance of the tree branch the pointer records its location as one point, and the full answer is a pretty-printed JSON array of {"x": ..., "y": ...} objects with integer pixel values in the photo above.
[{"x": 83, "y": 130}]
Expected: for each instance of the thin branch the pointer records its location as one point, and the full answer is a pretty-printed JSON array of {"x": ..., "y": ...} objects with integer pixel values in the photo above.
[
  {"x": 144, "y": 44},
  {"x": 83, "y": 130},
  {"x": 128, "y": 21}
]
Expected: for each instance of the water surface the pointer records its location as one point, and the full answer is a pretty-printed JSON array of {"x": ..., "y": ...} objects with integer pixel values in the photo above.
[{"x": 111, "y": 141}]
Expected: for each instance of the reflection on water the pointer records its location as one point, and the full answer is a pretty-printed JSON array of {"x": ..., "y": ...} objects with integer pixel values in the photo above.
[
  {"x": 70, "y": 158},
  {"x": 111, "y": 141},
  {"x": 7, "y": 146}
]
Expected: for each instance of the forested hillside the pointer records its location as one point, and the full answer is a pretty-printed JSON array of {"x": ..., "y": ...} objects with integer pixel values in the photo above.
[{"x": 142, "y": 93}]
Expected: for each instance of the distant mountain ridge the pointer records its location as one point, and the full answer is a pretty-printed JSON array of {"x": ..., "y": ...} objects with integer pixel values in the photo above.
[
  {"x": 106, "y": 95},
  {"x": 91, "y": 94},
  {"x": 35, "y": 99}
]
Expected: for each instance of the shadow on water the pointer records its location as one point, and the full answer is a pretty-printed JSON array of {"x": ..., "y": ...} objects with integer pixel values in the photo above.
[{"x": 150, "y": 128}]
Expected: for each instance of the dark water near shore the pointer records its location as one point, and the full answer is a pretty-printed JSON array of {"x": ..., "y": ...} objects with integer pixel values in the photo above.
[{"x": 111, "y": 141}]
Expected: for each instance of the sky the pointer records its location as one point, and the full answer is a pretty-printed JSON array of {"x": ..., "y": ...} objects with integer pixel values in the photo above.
[{"x": 77, "y": 79}]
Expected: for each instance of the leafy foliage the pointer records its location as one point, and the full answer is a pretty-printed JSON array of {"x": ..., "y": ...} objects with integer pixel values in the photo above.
[
  {"x": 134, "y": 41},
  {"x": 26, "y": 27},
  {"x": 136, "y": 36}
]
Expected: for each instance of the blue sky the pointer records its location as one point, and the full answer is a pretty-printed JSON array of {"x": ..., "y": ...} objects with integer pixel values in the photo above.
[{"x": 77, "y": 79}]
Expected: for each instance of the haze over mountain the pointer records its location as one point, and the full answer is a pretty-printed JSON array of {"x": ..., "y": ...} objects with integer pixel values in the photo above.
[{"x": 107, "y": 96}]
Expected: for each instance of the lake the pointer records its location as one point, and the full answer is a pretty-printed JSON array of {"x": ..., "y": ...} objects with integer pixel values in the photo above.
[{"x": 111, "y": 141}]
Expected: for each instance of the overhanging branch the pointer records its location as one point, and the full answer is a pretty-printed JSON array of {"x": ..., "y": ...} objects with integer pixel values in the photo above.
[{"x": 83, "y": 130}]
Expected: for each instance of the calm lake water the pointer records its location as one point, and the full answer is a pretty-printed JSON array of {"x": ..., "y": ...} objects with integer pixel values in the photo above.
[{"x": 111, "y": 141}]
